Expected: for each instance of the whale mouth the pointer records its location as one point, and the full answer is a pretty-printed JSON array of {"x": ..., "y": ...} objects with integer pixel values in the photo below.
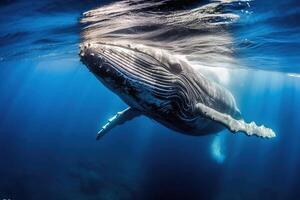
[{"x": 123, "y": 65}]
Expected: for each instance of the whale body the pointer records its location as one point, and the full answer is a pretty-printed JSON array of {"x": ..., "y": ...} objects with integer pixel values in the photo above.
[{"x": 165, "y": 88}]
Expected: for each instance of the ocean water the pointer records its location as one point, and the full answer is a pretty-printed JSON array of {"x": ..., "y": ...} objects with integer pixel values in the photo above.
[{"x": 52, "y": 106}]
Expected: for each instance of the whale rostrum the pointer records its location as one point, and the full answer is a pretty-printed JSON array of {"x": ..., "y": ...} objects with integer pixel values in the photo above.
[{"x": 166, "y": 89}]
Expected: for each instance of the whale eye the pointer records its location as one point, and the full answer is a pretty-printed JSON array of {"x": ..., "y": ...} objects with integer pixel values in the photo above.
[{"x": 175, "y": 68}]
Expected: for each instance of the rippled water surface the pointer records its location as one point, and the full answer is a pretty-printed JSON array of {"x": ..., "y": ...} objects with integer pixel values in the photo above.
[{"x": 51, "y": 106}]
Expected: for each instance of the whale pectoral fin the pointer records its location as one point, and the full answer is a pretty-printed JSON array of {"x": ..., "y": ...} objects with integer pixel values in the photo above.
[
  {"x": 235, "y": 125},
  {"x": 120, "y": 118}
]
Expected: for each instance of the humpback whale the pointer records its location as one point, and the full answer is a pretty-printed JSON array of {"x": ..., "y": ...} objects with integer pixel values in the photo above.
[{"x": 165, "y": 88}]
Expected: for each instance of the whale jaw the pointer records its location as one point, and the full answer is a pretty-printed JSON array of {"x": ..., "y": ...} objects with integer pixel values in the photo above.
[{"x": 138, "y": 77}]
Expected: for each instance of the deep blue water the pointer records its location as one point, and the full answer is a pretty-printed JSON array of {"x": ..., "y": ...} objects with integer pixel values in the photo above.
[{"x": 52, "y": 107}]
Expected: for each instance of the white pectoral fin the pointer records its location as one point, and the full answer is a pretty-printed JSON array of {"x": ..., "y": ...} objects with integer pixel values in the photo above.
[
  {"x": 235, "y": 125},
  {"x": 120, "y": 118}
]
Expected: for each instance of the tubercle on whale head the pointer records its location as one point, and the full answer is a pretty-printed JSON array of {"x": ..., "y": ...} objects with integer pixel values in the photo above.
[{"x": 83, "y": 48}]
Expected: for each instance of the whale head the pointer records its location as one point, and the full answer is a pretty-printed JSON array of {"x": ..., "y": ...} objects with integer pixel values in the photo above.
[{"x": 142, "y": 76}]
